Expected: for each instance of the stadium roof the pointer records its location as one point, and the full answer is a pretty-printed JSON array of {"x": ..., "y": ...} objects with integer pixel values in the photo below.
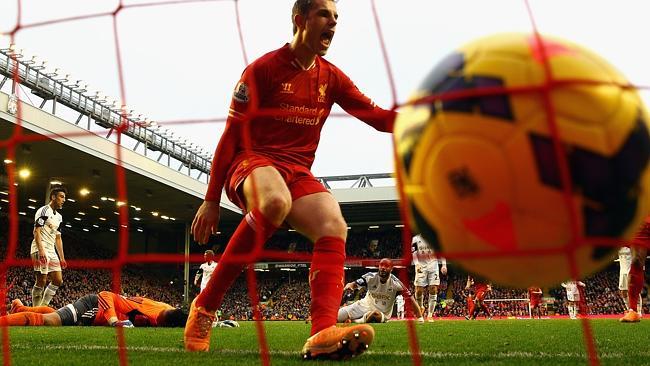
[{"x": 58, "y": 150}]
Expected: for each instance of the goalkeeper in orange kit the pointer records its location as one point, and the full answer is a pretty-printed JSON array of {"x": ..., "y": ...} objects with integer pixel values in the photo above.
[{"x": 105, "y": 308}]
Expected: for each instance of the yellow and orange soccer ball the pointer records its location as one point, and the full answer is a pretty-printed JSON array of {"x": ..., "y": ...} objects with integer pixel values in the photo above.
[{"x": 485, "y": 177}]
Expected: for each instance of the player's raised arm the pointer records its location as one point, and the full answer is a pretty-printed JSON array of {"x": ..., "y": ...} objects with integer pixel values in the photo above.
[{"x": 362, "y": 107}]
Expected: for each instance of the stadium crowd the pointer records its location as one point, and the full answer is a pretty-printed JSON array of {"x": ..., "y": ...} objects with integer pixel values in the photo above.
[{"x": 285, "y": 295}]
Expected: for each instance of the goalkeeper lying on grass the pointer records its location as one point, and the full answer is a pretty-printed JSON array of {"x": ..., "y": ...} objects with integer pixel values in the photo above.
[{"x": 105, "y": 308}]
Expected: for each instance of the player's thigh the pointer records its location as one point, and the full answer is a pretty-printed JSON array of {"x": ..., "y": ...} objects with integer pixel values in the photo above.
[
  {"x": 265, "y": 189},
  {"x": 433, "y": 279},
  {"x": 420, "y": 280},
  {"x": 317, "y": 215},
  {"x": 40, "y": 269}
]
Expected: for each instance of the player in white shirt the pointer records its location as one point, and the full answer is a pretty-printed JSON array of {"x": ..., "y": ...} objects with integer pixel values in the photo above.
[
  {"x": 206, "y": 269},
  {"x": 399, "y": 301},
  {"x": 573, "y": 296},
  {"x": 427, "y": 273},
  {"x": 382, "y": 290},
  {"x": 46, "y": 244}
]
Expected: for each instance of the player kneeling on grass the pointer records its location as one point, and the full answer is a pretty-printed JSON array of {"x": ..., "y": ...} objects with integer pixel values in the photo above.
[
  {"x": 382, "y": 290},
  {"x": 105, "y": 308}
]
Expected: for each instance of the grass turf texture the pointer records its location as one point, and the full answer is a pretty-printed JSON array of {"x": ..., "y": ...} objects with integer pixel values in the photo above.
[{"x": 495, "y": 342}]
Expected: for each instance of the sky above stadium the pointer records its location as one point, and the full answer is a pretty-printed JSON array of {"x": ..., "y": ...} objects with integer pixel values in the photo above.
[{"x": 181, "y": 61}]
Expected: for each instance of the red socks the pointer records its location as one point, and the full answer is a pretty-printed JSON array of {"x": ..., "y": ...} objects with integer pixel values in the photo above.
[
  {"x": 635, "y": 284},
  {"x": 326, "y": 280},
  {"x": 253, "y": 229},
  {"x": 22, "y": 319}
]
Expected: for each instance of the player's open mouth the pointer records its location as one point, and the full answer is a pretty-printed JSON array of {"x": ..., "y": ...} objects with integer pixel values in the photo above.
[{"x": 326, "y": 38}]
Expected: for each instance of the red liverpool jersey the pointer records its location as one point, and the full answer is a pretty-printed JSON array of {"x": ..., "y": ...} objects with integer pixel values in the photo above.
[
  {"x": 284, "y": 105},
  {"x": 535, "y": 295}
]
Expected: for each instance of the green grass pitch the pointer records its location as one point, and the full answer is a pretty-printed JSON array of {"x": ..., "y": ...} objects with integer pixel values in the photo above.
[{"x": 493, "y": 342}]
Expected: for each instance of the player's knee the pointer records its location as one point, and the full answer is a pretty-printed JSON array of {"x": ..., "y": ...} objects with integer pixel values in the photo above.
[
  {"x": 275, "y": 207},
  {"x": 41, "y": 281},
  {"x": 57, "y": 282},
  {"x": 335, "y": 226},
  {"x": 342, "y": 316}
]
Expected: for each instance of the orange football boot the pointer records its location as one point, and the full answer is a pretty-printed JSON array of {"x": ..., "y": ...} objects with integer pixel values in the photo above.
[
  {"x": 338, "y": 343},
  {"x": 198, "y": 328},
  {"x": 630, "y": 316}
]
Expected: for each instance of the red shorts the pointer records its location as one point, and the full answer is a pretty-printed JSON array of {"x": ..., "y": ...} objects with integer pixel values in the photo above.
[
  {"x": 534, "y": 303},
  {"x": 298, "y": 178},
  {"x": 480, "y": 295}
]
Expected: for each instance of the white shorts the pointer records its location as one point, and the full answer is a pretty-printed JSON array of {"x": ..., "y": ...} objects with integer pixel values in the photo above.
[
  {"x": 622, "y": 282},
  {"x": 428, "y": 277},
  {"x": 357, "y": 313},
  {"x": 51, "y": 265},
  {"x": 573, "y": 296}
]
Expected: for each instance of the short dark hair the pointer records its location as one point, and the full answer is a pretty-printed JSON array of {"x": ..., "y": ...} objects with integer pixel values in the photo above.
[
  {"x": 56, "y": 189},
  {"x": 209, "y": 251},
  {"x": 301, "y": 7},
  {"x": 173, "y": 318}
]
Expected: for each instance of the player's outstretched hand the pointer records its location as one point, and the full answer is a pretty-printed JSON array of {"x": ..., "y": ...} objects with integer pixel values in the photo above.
[
  {"x": 124, "y": 324},
  {"x": 63, "y": 264},
  {"x": 205, "y": 221}
]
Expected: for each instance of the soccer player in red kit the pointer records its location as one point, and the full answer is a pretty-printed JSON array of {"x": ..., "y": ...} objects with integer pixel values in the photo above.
[
  {"x": 535, "y": 298},
  {"x": 263, "y": 161},
  {"x": 478, "y": 300},
  {"x": 636, "y": 278}
]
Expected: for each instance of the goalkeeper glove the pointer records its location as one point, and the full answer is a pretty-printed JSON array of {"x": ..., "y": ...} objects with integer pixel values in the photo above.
[{"x": 124, "y": 324}]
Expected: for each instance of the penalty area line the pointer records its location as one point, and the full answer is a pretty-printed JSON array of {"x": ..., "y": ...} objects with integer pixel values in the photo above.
[{"x": 429, "y": 355}]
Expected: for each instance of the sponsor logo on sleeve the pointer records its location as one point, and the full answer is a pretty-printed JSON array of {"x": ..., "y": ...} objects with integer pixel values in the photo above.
[{"x": 241, "y": 93}]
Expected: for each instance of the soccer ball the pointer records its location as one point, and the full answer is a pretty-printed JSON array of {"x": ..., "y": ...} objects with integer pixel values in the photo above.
[{"x": 525, "y": 159}]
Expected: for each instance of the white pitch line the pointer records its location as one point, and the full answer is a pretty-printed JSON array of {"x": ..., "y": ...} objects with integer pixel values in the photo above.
[{"x": 431, "y": 355}]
